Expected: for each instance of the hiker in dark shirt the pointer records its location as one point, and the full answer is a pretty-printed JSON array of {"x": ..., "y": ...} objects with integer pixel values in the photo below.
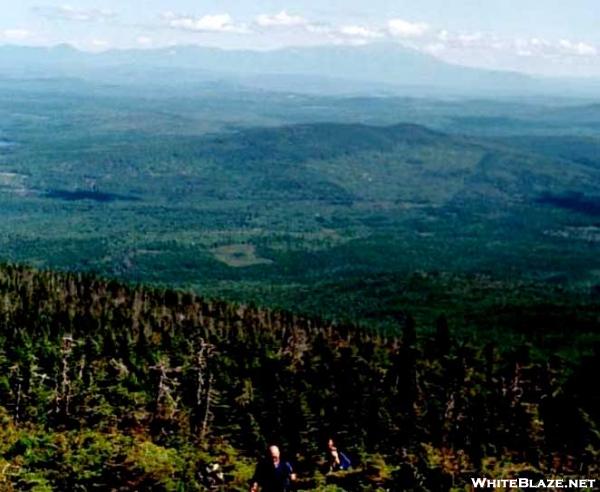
[
  {"x": 273, "y": 474},
  {"x": 337, "y": 459}
]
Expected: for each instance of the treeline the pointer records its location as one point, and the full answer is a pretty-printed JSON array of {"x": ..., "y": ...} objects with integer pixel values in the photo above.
[{"x": 105, "y": 386}]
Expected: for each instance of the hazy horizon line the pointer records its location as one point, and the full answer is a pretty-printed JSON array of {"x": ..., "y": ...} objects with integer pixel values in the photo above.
[{"x": 115, "y": 49}]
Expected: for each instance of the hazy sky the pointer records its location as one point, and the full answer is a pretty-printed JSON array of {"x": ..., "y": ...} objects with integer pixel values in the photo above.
[{"x": 558, "y": 37}]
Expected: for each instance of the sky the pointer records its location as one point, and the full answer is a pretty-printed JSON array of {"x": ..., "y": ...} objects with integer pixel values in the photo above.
[{"x": 547, "y": 37}]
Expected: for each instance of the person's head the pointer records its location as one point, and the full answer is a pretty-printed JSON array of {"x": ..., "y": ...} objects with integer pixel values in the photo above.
[
  {"x": 330, "y": 444},
  {"x": 274, "y": 453}
]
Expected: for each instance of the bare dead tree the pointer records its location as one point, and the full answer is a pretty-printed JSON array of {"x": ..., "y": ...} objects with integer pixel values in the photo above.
[
  {"x": 205, "y": 393},
  {"x": 63, "y": 382},
  {"x": 166, "y": 398},
  {"x": 15, "y": 372}
]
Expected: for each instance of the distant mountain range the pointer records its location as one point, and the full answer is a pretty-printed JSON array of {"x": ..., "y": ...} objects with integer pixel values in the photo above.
[{"x": 375, "y": 68}]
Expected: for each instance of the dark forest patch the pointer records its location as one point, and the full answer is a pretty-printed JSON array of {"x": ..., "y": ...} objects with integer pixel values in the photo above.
[
  {"x": 97, "y": 196},
  {"x": 578, "y": 202}
]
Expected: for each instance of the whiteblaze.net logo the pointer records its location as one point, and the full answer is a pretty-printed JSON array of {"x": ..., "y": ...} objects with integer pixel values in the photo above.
[{"x": 527, "y": 483}]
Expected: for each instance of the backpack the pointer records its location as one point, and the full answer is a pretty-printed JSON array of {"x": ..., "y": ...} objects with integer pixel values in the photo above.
[{"x": 345, "y": 462}]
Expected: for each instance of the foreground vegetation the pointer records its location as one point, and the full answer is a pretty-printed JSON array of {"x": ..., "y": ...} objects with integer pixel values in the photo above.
[{"x": 106, "y": 386}]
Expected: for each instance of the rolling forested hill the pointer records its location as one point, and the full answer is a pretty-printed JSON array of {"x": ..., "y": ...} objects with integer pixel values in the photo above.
[
  {"x": 262, "y": 213},
  {"x": 280, "y": 197},
  {"x": 106, "y": 386}
]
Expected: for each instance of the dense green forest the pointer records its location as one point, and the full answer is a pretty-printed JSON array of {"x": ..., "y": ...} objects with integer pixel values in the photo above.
[
  {"x": 418, "y": 278},
  {"x": 256, "y": 196},
  {"x": 108, "y": 386}
]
